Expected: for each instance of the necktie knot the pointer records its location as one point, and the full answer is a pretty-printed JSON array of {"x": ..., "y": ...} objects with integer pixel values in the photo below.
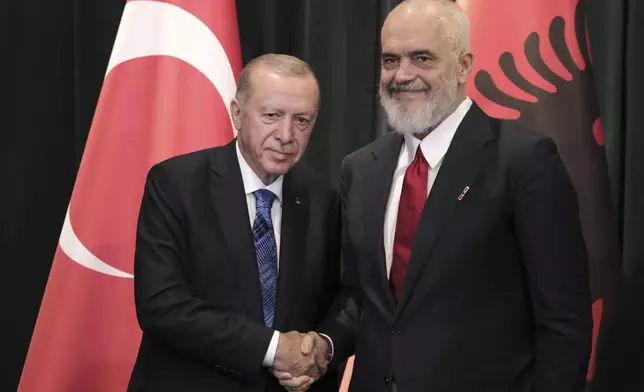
[
  {"x": 264, "y": 199},
  {"x": 419, "y": 157}
]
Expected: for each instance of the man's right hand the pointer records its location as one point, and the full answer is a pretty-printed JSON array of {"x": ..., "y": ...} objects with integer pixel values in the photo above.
[
  {"x": 300, "y": 360},
  {"x": 292, "y": 359}
]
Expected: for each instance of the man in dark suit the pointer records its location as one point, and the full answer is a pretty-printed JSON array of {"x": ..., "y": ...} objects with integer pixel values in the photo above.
[
  {"x": 466, "y": 269},
  {"x": 237, "y": 243}
]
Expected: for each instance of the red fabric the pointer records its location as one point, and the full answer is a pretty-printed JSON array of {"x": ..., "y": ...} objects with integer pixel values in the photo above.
[
  {"x": 412, "y": 201},
  {"x": 152, "y": 107}
]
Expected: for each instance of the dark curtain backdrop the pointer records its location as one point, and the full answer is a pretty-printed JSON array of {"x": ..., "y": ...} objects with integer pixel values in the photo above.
[
  {"x": 616, "y": 31},
  {"x": 53, "y": 57}
]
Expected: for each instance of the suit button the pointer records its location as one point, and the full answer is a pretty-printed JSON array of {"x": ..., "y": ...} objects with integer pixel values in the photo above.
[
  {"x": 386, "y": 380},
  {"x": 397, "y": 330}
]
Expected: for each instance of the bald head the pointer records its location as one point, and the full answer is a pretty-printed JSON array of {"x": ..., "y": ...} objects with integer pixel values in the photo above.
[
  {"x": 426, "y": 63},
  {"x": 443, "y": 15}
]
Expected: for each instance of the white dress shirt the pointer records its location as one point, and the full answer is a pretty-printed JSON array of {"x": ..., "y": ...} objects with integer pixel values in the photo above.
[
  {"x": 251, "y": 184},
  {"x": 434, "y": 147}
]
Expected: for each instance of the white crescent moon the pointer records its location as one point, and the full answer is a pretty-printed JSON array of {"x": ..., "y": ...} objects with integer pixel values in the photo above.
[
  {"x": 75, "y": 250},
  {"x": 152, "y": 28}
]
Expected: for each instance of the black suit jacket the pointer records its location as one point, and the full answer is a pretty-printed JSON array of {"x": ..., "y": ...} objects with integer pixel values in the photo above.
[
  {"x": 496, "y": 296},
  {"x": 196, "y": 281}
]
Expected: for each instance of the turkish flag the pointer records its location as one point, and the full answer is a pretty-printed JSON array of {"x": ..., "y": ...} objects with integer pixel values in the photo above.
[{"x": 171, "y": 76}]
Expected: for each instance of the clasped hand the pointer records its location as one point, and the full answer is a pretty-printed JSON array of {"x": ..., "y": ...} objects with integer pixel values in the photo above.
[{"x": 301, "y": 359}]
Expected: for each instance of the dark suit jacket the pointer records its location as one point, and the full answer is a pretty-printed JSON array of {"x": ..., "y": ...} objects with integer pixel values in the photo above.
[
  {"x": 496, "y": 296},
  {"x": 197, "y": 286}
]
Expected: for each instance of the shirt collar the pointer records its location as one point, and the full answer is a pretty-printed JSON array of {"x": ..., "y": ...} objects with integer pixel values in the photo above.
[
  {"x": 436, "y": 143},
  {"x": 251, "y": 180}
]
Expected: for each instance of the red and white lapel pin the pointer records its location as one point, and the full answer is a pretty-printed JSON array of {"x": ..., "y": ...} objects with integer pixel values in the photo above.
[{"x": 462, "y": 195}]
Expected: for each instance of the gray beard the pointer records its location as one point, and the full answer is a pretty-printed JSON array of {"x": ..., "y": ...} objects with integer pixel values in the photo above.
[{"x": 421, "y": 118}]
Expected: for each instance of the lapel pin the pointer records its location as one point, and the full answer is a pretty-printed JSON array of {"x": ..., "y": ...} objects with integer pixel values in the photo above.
[
  {"x": 297, "y": 201},
  {"x": 462, "y": 195}
]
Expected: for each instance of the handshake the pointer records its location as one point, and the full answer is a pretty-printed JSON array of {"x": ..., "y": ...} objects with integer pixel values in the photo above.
[{"x": 300, "y": 360}]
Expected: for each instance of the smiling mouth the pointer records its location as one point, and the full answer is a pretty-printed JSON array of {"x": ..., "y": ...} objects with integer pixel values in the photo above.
[{"x": 408, "y": 94}]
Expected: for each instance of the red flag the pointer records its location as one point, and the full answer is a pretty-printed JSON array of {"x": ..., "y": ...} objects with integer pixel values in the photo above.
[
  {"x": 532, "y": 64},
  {"x": 171, "y": 76}
]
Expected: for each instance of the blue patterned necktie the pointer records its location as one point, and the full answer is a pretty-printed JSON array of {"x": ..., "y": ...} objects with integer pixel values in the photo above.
[{"x": 266, "y": 252}]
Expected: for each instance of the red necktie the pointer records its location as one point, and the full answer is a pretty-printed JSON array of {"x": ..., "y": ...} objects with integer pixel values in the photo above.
[{"x": 412, "y": 201}]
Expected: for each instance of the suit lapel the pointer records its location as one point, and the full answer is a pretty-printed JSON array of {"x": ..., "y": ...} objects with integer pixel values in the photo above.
[
  {"x": 466, "y": 156},
  {"x": 377, "y": 194},
  {"x": 295, "y": 217},
  {"x": 227, "y": 193}
]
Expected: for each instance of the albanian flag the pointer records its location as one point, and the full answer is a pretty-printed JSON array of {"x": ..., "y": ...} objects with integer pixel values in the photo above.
[{"x": 532, "y": 64}]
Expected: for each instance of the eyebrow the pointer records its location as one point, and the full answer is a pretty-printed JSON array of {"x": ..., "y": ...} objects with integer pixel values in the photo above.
[
  {"x": 266, "y": 108},
  {"x": 423, "y": 52},
  {"x": 412, "y": 53},
  {"x": 272, "y": 109}
]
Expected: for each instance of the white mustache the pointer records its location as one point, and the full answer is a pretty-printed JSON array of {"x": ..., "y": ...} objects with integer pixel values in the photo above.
[{"x": 407, "y": 87}]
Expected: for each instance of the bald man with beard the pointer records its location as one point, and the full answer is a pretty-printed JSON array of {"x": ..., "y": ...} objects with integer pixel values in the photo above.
[{"x": 466, "y": 268}]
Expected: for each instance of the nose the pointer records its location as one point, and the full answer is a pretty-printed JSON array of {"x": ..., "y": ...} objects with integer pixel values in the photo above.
[
  {"x": 284, "y": 131},
  {"x": 405, "y": 72}
]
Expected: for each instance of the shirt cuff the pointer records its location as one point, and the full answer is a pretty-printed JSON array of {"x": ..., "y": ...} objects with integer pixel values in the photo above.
[
  {"x": 269, "y": 358},
  {"x": 331, "y": 349}
]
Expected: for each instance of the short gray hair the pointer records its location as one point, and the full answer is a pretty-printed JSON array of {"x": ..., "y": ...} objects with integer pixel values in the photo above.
[
  {"x": 455, "y": 22},
  {"x": 280, "y": 64}
]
